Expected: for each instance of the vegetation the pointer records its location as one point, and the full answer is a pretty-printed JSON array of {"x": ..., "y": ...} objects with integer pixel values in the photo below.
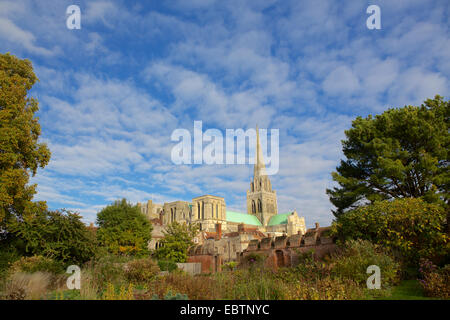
[
  {"x": 60, "y": 235},
  {"x": 401, "y": 153},
  {"x": 435, "y": 281},
  {"x": 141, "y": 270},
  {"x": 21, "y": 154},
  {"x": 123, "y": 229},
  {"x": 356, "y": 255},
  {"x": 177, "y": 239},
  {"x": 412, "y": 228},
  {"x": 37, "y": 264}
]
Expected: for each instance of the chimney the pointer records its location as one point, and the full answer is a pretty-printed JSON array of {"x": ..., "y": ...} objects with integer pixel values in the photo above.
[
  {"x": 317, "y": 226},
  {"x": 218, "y": 231}
]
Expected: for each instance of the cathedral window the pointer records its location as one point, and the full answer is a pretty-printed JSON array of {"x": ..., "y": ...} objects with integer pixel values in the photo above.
[{"x": 203, "y": 210}]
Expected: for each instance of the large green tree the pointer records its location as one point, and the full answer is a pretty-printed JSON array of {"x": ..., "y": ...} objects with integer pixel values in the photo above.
[
  {"x": 20, "y": 152},
  {"x": 178, "y": 237},
  {"x": 123, "y": 229},
  {"x": 400, "y": 153}
]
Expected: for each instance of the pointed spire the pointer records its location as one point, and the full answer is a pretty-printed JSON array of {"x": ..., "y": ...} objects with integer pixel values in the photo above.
[{"x": 260, "y": 167}]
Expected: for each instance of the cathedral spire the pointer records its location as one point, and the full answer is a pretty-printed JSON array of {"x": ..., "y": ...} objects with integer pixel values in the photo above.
[{"x": 260, "y": 167}]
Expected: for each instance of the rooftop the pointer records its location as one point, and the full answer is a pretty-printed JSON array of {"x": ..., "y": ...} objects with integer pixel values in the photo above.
[
  {"x": 243, "y": 218},
  {"x": 281, "y": 218}
]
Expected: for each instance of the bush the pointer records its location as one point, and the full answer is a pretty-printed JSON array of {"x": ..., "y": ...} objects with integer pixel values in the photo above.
[
  {"x": 141, "y": 270},
  {"x": 410, "y": 227},
  {"x": 436, "y": 281},
  {"x": 108, "y": 269},
  {"x": 60, "y": 235},
  {"x": 230, "y": 265},
  {"x": 7, "y": 257},
  {"x": 35, "y": 264},
  {"x": 167, "y": 265},
  {"x": 356, "y": 255},
  {"x": 253, "y": 260}
]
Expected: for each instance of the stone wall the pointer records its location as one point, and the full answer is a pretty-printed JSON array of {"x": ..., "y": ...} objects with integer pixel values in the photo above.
[{"x": 284, "y": 251}]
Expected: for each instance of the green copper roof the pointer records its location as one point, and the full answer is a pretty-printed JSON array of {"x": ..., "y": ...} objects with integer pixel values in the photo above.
[
  {"x": 243, "y": 218},
  {"x": 281, "y": 218}
]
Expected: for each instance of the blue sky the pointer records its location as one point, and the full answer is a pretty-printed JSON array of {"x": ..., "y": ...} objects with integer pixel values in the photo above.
[{"x": 112, "y": 93}]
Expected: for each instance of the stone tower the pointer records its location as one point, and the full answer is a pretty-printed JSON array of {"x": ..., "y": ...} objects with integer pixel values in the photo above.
[{"x": 261, "y": 199}]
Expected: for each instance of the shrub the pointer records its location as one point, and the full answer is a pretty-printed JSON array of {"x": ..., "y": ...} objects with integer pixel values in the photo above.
[
  {"x": 356, "y": 255},
  {"x": 167, "y": 265},
  {"x": 253, "y": 260},
  {"x": 141, "y": 270},
  {"x": 436, "y": 281},
  {"x": 60, "y": 235},
  {"x": 230, "y": 265},
  {"x": 37, "y": 263},
  {"x": 7, "y": 257},
  {"x": 108, "y": 269},
  {"x": 411, "y": 227}
]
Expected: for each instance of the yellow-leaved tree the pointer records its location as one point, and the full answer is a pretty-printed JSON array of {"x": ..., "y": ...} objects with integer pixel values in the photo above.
[{"x": 20, "y": 152}]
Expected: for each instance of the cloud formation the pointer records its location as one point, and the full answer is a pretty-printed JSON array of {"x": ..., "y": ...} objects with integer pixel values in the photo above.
[{"x": 112, "y": 93}]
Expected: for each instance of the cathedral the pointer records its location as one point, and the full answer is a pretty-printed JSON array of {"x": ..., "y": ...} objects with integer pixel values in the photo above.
[{"x": 211, "y": 214}]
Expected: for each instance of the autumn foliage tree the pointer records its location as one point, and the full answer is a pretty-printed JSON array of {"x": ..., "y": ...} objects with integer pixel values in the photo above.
[{"x": 20, "y": 152}]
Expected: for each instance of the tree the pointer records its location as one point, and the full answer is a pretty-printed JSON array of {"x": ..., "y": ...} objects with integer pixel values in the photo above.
[
  {"x": 20, "y": 152},
  {"x": 176, "y": 242},
  {"x": 411, "y": 227},
  {"x": 60, "y": 235},
  {"x": 401, "y": 153},
  {"x": 123, "y": 229}
]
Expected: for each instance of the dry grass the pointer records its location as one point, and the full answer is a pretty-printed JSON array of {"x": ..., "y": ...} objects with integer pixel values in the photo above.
[
  {"x": 88, "y": 289},
  {"x": 27, "y": 286}
]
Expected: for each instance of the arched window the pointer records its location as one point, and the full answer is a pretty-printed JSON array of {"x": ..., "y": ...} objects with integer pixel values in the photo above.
[
  {"x": 253, "y": 206},
  {"x": 203, "y": 210},
  {"x": 175, "y": 214},
  {"x": 198, "y": 210},
  {"x": 171, "y": 214},
  {"x": 259, "y": 206},
  {"x": 217, "y": 210}
]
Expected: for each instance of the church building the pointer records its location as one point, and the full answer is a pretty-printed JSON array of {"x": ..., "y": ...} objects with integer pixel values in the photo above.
[{"x": 212, "y": 216}]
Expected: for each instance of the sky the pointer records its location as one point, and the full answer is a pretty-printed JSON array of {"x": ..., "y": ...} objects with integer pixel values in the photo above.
[{"x": 112, "y": 92}]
